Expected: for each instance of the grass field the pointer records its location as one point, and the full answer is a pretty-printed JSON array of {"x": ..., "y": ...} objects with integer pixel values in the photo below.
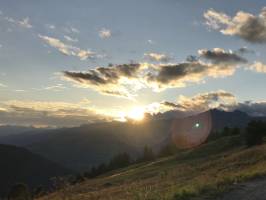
[{"x": 201, "y": 173}]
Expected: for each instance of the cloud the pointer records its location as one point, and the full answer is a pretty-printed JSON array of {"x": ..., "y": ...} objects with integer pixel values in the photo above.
[
  {"x": 67, "y": 49},
  {"x": 50, "y": 26},
  {"x": 71, "y": 30},
  {"x": 156, "y": 57},
  {"x": 110, "y": 80},
  {"x": 220, "y": 56},
  {"x": 25, "y": 22},
  {"x": 252, "y": 108},
  {"x": 150, "y": 42},
  {"x": 20, "y": 90},
  {"x": 247, "y": 26},
  {"x": 202, "y": 102},
  {"x": 258, "y": 67},
  {"x": 220, "y": 64},
  {"x": 125, "y": 80},
  {"x": 42, "y": 113},
  {"x": 58, "y": 87},
  {"x": 105, "y": 33},
  {"x": 55, "y": 88},
  {"x": 3, "y": 85},
  {"x": 70, "y": 39}
]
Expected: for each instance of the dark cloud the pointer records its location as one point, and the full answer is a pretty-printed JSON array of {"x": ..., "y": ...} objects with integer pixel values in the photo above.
[
  {"x": 244, "y": 25},
  {"x": 219, "y": 56},
  {"x": 243, "y": 50},
  {"x": 125, "y": 80},
  {"x": 104, "y": 75},
  {"x": 252, "y": 108},
  {"x": 169, "y": 73},
  {"x": 169, "y": 104},
  {"x": 192, "y": 58},
  {"x": 107, "y": 80}
]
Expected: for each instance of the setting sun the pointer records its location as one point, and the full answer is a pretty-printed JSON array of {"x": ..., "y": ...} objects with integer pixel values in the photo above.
[{"x": 136, "y": 113}]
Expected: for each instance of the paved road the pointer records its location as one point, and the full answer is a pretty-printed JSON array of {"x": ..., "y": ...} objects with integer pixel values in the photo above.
[{"x": 252, "y": 190}]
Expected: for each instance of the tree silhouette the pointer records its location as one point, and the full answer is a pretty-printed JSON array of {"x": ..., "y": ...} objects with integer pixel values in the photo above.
[
  {"x": 147, "y": 155},
  {"x": 255, "y": 132}
]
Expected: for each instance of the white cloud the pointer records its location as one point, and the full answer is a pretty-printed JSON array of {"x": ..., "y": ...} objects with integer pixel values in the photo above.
[
  {"x": 247, "y": 26},
  {"x": 50, "y": 26},
  {"x": 150, "y": 41},
  {"x": 258, "y": 67},
  {"x": 71, "y": 30},
  {"x": 25, "y": 22},
  {"x": 105, "y": 33},
  {"x": 70, "y": 39},
  {"x": 157, "y": 57},
  {"x": 67, "y": 49},
  {"x": 3, "y": 85}
]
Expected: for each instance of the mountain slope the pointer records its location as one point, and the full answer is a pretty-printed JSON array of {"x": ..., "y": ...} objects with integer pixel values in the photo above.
[
  {"x": 20, "y": 165},
  {"x": 201, "y": 173}
]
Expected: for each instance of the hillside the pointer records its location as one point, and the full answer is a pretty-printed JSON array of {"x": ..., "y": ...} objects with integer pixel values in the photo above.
[
  {"x": 204, "y": 172},
  {"x": 20, "y": 165},
  {"x": 81, "y": 147}
]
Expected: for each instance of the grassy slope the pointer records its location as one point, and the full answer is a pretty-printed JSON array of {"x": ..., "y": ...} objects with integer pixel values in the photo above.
[{"x": 193, "y": 174}]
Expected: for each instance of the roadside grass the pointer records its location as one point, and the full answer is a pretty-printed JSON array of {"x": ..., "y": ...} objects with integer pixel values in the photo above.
[{"x": 201, "y": 173}]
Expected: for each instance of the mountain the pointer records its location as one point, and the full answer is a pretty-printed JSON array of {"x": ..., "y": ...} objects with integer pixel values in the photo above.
[
  {"x": 236, "y": 118},
  {"x": 26, "y": 138},
  {"x": 20, "y": 165},
  {"x": 14, "y": 130},
  {"x": 79, "y": 148},
  {"x": 82, "y": 147}
]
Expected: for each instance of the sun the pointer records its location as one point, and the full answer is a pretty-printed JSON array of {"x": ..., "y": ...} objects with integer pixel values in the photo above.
[{"x": 136, "y": 113}]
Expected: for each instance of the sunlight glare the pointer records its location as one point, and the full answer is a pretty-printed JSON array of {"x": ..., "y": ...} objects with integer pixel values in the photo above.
[{"x": 136, "y": 113}]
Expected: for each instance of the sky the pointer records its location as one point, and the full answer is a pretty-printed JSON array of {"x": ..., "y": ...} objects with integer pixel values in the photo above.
[{"x": 65, "y": 63}]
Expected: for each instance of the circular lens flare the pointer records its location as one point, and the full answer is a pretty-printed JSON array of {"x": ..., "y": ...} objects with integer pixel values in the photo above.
[{"x": 191, "y": 131}]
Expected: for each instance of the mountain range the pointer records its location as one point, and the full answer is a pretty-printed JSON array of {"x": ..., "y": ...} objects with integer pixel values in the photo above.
[{"x": 80, "y": 148}]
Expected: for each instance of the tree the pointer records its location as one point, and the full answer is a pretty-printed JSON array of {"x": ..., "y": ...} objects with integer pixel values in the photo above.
[
  {"x": 119, "y": 161},
  {"x": 167, "y": 150},
  {"x": 147, "y": 155},
  {"x": 255, "y": 132},
  {"x": 235, "y": 131},
  {"x": 226, "y": 131},
  {"x": 19, "y": 192}
]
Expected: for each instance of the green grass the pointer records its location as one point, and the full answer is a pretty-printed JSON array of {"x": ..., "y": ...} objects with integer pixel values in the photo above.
[{"x": 201, "y": 173}]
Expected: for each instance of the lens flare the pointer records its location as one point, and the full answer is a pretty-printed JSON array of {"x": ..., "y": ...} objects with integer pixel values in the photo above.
[{"x": 191, "y": 131}]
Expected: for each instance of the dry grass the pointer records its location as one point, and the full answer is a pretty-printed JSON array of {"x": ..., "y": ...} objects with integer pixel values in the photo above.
[{"x": 203, "y": 172}]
